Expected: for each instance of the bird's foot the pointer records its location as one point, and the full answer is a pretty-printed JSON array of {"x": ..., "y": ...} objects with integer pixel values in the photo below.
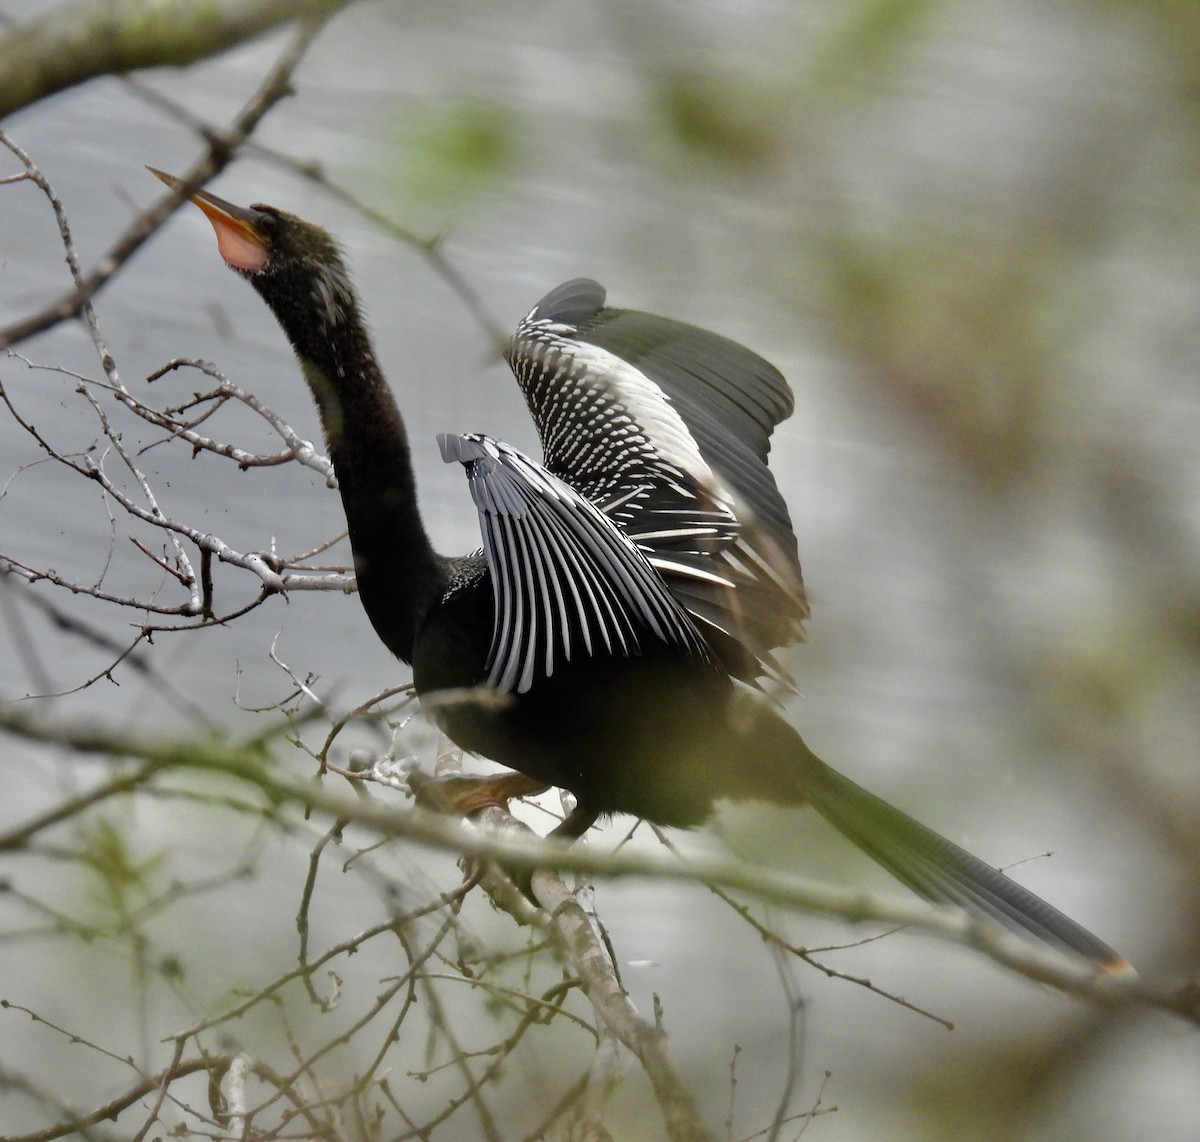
[{"x": 464, "y": 794}]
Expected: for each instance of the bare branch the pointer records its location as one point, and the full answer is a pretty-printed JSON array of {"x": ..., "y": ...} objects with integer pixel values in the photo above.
[
  {"x": 299, "y": 450},
  {"x": 275, "y": 87},
  {"x": 1036, "y": 962},
  {"x": 77, "y": 42}
]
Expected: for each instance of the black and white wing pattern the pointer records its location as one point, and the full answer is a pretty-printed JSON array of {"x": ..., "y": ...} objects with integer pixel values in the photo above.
[
  {"x": 666, "y": 428},
  {"x": 567, "y": 583}
]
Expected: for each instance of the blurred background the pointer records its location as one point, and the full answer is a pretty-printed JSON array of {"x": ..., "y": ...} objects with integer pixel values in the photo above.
[{"x": 968, "y": 232}]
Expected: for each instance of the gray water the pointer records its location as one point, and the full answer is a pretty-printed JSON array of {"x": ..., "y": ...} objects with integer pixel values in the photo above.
[{"x": 931, "y": 598}]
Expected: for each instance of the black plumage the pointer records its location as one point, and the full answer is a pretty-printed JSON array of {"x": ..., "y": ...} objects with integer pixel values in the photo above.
[{"x": 628, "y": 588}]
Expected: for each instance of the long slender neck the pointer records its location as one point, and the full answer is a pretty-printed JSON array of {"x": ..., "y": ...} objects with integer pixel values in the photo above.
[{"x": 400, "y": 576}]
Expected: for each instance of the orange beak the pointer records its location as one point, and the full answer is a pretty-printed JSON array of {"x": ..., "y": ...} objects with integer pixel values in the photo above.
[{"x": 239, "y": 240}]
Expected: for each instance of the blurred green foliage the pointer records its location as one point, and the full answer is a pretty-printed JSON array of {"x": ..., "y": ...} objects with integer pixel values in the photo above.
[
  {"x": 720, "y": 119},
  {"x": 448, "y": 157}
]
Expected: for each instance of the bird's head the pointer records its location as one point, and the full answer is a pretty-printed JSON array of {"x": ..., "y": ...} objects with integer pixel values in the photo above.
[{"x": 295, "y": 265}]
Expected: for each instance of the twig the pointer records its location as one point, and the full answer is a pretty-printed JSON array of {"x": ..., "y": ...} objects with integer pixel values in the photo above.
[
  {"x": 591, "y": 959},
  {"x": 807, "y": 954},
  {"x": 1036, "y": 962},
  {"x": 222, "y": 147}
]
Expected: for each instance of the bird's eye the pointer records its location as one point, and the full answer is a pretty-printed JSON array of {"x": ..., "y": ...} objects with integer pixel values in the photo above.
[{"x": 267, "y": 220}]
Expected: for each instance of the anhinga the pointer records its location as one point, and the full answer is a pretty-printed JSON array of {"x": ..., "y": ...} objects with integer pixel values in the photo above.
[{"x": 628, "y": 589}]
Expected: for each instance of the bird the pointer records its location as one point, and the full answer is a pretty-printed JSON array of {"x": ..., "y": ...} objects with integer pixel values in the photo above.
[{"x": 615, "y": 633}]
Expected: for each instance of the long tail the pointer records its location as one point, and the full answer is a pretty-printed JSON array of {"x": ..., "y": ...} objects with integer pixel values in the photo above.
[{"x": 941, "y": 871}]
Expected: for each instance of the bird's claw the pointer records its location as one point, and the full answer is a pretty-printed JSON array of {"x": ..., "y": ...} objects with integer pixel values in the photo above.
[{"x": 465, "y": 794}]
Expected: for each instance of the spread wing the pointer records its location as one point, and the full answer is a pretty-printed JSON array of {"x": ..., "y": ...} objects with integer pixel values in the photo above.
[
  {"x": 666, "y": 428},
  {"x": 565, "y": 580}
]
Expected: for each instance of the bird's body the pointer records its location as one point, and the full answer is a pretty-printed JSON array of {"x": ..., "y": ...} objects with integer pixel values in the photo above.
[{"x": 629, "y": 592}]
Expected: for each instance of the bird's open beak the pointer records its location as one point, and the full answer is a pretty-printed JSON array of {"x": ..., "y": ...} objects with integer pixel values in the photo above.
[{"x": 239, "y": 240}]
